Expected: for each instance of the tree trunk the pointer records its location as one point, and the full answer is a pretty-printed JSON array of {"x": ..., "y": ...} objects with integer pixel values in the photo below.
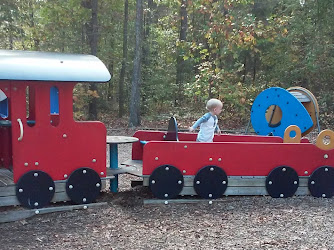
[
  {"x": 32, "y": 26},
  {"x": 179, "y": 60},
  {"x": 136, "y": 77},
  {"x": 125, "y": 56},
  {"x": 93, "y": 39},
  {"x": 245, "y": 69},
  {"x": 254, "y": 68}
]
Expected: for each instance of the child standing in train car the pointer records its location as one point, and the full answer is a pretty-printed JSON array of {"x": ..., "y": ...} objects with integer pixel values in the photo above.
[{"x": 208, "y": 122}]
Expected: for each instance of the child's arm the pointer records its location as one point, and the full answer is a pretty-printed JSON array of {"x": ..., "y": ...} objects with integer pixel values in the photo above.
[
  {"x": 204, "y": 118},
  {"x": 217, "y": 129}
]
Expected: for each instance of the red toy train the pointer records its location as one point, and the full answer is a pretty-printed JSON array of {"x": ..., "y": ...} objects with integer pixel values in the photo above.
[
  {"x": 234, "y": 165},
  {"x": 47, "y": 156}
]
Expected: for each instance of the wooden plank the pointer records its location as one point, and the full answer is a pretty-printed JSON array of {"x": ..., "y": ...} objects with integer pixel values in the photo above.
[
  {"x": 11, "y": 216},
  {"x": 135, "y": 163},
  {"x": 8, "y": 201},
  {"x": 10, "y": 190},
  {"x": 7, "y": 190},
  {"x": 6, "y": 177},
  {"x": 235, "y": 181},
  {"x": 244, "y": 191},
  {"x": 60, "y": 194},
  {"x": 136, "y": 170}
]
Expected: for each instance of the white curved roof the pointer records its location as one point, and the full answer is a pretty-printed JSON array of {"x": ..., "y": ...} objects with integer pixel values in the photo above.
[{"x": 50, "y": 66}]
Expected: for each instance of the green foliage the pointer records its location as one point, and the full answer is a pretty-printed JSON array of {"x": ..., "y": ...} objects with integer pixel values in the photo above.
[{"x": 234, "y": 49}]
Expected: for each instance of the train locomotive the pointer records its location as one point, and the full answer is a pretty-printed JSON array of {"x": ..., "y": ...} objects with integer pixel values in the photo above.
[{"x": 46, "y": 156}]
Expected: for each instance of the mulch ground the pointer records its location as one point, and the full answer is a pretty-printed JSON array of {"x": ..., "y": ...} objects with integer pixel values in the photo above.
[{"x": 229, "y": 223}]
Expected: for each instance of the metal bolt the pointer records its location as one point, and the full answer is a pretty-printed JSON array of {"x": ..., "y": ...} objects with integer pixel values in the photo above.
[
  {"x": 37, "y": 212},
  {"x": 156, "y": 158},
  {"x": 326, "y": 156},
  {"x": 166, "y": 202},
  {"x": 210, "y": 202},
  {"x": 210, "y": 159},
  {"x": 219, "y": 159},
  {"x": 98, "y": 185},
  {"x": 184, "y": 171},
  {"x": 50, "y": 188},
  {"x": 153, "y": 181},
  {"x": 166, "y": 168},
  {"x": 84, "y": 171},
  {"x": 210, "y": 195},
  {"x": 64, "y": 135},
  {"x": 306, "y": 172},
  {"x": 35, "y": 174},
  {"x": 20, "y": 190},
  {"x": 85, "y": 207},
  {"x": 70, "y": 186},
  {"x": 185, "y": 146},
  {"x": 198, "y": 182},
  {"x": 211, "y": 169},
  {"x": 26, "y": 164},
  {"x": 224, "y": 182},
  {"x": 36, "y": 163},
  {"x": 312, "y": 182},
  {"x": 102, "y": 173},
  {"x": 323, "y": 195},
  {"x": 65, "y": 175},
  {"x": 281, "y": 195},
  {"x": 270, "y": 182},
  {"x": 179, "y": 182},
  {"x": 36, "y": 204},
  {"x": 283, "y": 169},
  {"x": 84, "y": 199},
  {"x": 326, "y": 169},
  {"x": 166, "y": 195},
  {"x": 295, "y": 182},
  {"x": 14, "y": 88},
  {"x": 94, "y": 160}
]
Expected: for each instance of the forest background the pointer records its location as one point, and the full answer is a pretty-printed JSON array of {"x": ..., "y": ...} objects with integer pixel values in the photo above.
[{"x": 167, "y": 57}]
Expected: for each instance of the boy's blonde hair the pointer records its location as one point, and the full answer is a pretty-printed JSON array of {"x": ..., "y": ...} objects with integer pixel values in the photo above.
[{"x": 213, "y": 103}]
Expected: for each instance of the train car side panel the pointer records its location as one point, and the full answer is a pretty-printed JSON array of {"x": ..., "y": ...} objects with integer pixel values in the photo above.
[{"x": 237, "y": 159}]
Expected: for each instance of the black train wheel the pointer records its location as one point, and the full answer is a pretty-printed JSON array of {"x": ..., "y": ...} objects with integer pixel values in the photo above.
[
  {"x": 35, "y": 189},
  {"x": 83, "y": 186},
  {"x": 166, "y": 182},
  {"x": 321, "y": 182},
  {"x": 210, "y": 182},
  {"x": 282, "y": 182}
]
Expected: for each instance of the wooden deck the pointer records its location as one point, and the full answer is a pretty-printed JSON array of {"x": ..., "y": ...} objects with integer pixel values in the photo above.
[
  {"x": 8, "y": 189},
  {"x": 6, "y": 177}
]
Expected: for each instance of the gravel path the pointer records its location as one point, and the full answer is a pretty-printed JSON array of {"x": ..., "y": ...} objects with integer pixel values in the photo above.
[{"x": 230, "y": 223}]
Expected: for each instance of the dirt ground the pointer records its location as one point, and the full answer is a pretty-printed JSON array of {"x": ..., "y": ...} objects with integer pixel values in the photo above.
[{"x": 229, "y": 223}]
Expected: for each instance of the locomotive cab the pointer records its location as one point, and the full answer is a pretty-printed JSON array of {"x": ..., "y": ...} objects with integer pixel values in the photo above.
[{"x": 43, "y": 149}]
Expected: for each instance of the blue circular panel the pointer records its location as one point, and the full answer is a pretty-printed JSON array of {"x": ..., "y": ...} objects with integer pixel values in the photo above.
[{"x": 293, "y": 112}]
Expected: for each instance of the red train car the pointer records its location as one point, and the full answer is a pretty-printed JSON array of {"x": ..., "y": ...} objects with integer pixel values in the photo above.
[
  {"x": 45, "y": 154},
  {"x": 234, "y": 165}
]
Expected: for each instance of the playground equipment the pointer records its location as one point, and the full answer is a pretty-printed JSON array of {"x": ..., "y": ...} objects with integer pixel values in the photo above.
[
  {"x": 275, "y": 109},
  {"x": 234, "y": 165},
  {"x": 46, "y": 156}
]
